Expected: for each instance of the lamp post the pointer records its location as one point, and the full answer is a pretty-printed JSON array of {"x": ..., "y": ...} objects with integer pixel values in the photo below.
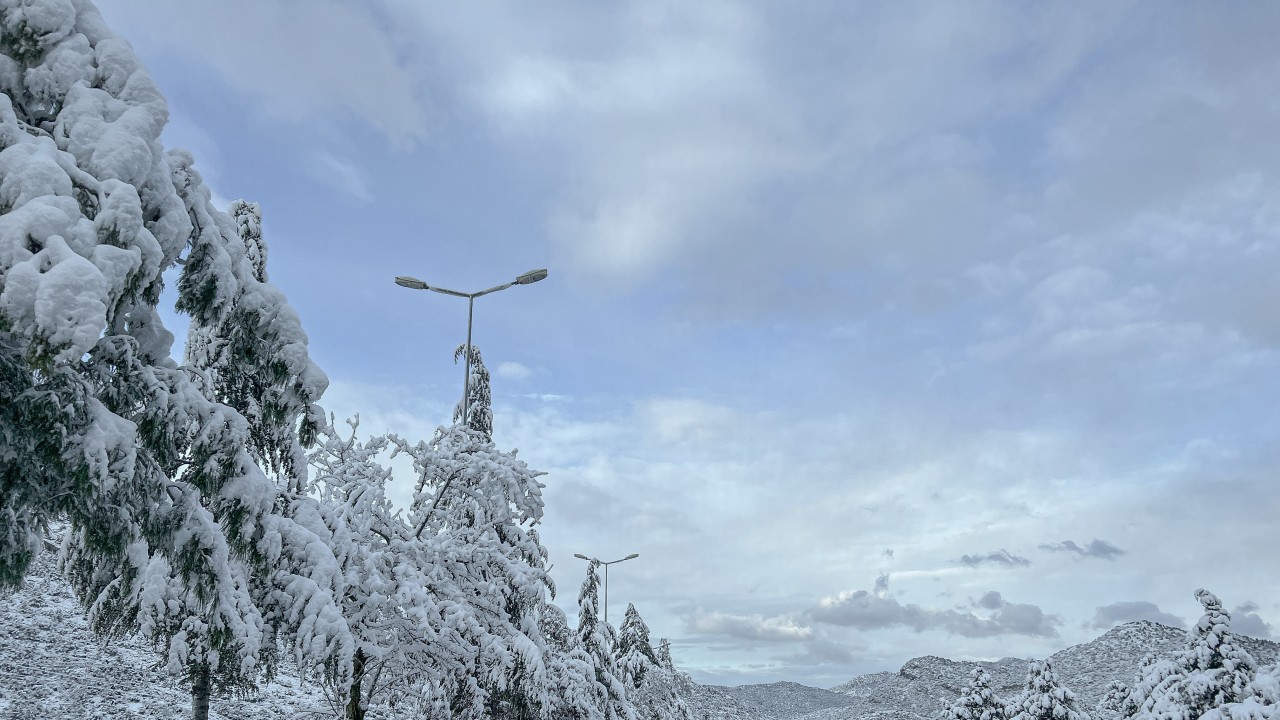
[
  {"x": 414, "y": 283},
  {"x": 606, "y": 565}
]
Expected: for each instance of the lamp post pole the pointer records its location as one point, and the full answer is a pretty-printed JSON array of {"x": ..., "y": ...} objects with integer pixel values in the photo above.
[
  {"x": 606, "y": 565},
  {"x": 414, "y": 283}
]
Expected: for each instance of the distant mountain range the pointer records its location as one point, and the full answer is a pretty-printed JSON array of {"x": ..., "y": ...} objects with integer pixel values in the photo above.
[
  {"x": 925, "y": 685},
  {"x": 53, "y": 668}
]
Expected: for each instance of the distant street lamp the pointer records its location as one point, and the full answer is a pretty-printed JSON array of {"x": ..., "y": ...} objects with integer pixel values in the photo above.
[
  {"x": 606, "y": 565},
  {"x": 413, "y": 283}
]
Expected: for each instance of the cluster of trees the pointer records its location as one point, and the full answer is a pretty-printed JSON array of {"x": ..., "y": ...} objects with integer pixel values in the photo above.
[
  {"x": 211, "y": 505},
  {"x": 1213, "y": 678}
]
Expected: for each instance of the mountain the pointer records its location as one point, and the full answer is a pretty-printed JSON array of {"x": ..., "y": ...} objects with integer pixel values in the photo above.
[
  {"x": 782, "y": 699},
  {"x": 925, "y": 685}
]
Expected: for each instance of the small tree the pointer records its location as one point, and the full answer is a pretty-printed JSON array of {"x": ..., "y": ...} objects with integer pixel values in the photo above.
[
  {"x": 1221, "y": 670},
  {"x": 634, "y": 654},
  {"x": 479, "y": 507},
  {"x": 597, "y": 639},
  {"x": 479, "y": 406},
  {"x": 1114, "y": 702},
  {"x": 571, "y": 682},
  {"x": 416, "y": 635},
  {"x": 1045, "y": 697},
  {"x": 977, "y": 701},
  {"x": 651, "y": 687},
  {"x": 1213, "y": 672}
]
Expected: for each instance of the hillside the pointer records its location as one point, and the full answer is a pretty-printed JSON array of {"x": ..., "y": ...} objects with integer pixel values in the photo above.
[
  {"x": 53, "y": 668},
  {"x": 925, "y": 684}
]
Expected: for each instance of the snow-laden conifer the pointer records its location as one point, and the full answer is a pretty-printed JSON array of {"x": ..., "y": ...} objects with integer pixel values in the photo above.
[
  {"x": 1044, "y": 697},
  {"x": 479, "y": 406},
  {"x": 1214, "y": 673},
  {"x": 571, "y": 681},
  {"x": 597, "y": 640},
  {"x": 651, "y": 686},
  {"x": 245, "y": 335},
  {"x": 172, "y": 521},
  {"x": 663, "y": 653},
  {"x": 633, "y": 653},
  {"x": 1114, "y": 702},
  {"x": 977, "y": 701}
]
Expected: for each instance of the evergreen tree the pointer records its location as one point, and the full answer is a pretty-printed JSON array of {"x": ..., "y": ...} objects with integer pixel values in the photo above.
[
  {"x": 663, "y": 653},
  {"x": 246, "y": 336},
  {"x": 1044, "y": 698},
  {"x": 172, "y": 521},
  {"x": 977, "y": 701},
  {"x": 634, "y": 654},
  {"x": 652, "y": 688},
  {"x": 597, "y": 640},
  {"x": 1221, "y": 668},
  {"x": 480, "y": 401},
  {"x": 1114, "y": 702},
  {"x": 1213, "y": 672},
  {"x": 571, "y": 682}
]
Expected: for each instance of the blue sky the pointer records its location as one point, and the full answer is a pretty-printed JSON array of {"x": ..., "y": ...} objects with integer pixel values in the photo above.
[{"x": 877, "y": 330}]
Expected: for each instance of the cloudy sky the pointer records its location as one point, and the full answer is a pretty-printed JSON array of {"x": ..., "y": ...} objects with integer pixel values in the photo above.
[{"x": 877, "y": 330}]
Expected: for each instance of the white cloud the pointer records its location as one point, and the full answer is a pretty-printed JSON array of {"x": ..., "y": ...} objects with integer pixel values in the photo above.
[
  {"x": 747, "y": 627},
  {"x": 1129, "y": 611},
  {"x": 513, "y": 371},
  {"x": 298, "y": 61}
]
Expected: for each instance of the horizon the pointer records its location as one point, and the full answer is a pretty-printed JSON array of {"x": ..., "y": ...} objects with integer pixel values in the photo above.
[{"x": 870, "y": 330}]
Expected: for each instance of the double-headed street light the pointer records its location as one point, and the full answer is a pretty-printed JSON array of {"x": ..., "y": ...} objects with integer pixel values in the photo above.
[
  {"x": 606, "y": 565},
  {"x": 414, "y": 283}
]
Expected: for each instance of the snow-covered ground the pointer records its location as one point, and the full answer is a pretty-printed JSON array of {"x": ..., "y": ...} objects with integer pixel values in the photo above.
[{"x": 52, "y": 667}]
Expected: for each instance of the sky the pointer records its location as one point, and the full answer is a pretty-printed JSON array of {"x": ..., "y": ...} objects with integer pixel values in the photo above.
[{"x": 877, "y": 330}]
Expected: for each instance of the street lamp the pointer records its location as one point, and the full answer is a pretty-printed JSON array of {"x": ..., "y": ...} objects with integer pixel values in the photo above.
[
  {"x": 414, "y": 283},
  {"x": 606, "y": 565}
]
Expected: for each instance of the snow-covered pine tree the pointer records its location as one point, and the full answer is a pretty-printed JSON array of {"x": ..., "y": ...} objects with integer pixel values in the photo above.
[
  {"x": 634, "y": 654},
  {"x": 168, "y": 515},
  {"x": 480, "y": 404},
  {"x": 246, "y": 336},
  {"x": 977, "y": 701},
  {"x": 663, "y": 653},
  {"x": 1114, "y": 701},
  {"x": 597, "y": 639},
  {"x": 1214, "y": 672},
  {"x": 1221, "y": 669},
  {"x": 1045, "y": 697},
  {"x": 571, "y": 682},
  {"x": 1155, "y": 676},
  {"x": 651, "y": 687}
]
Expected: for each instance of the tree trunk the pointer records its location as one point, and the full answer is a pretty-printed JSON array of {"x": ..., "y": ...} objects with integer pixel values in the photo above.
[
  {"x": 355, "y": 709},
  {"x": 200, "y": 693}
]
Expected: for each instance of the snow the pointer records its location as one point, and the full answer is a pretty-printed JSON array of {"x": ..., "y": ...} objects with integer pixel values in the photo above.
[{"x": 53, "y": 667}]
